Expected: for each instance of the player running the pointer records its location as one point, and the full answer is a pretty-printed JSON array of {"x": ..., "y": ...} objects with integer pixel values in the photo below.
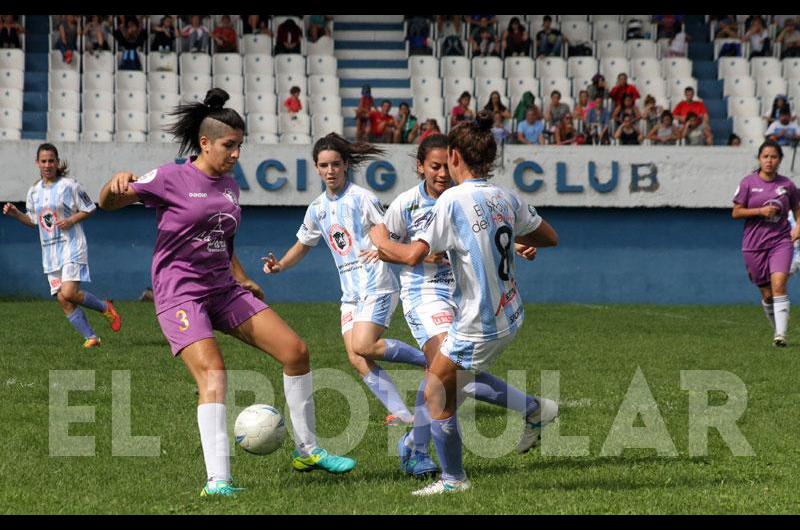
[
  {"x": 764, "y": 198},
  {"x": 343, "y": 216},
  {"x": 477, "y": 223},
  {"x": 57, "y": 204},
  {"x": 199, "y": 284}
]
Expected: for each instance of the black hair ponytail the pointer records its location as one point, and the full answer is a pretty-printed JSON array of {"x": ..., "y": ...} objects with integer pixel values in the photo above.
[{"x": 190, "y": 118}]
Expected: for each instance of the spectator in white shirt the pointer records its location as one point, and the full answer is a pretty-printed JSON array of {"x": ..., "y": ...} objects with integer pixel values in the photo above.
[{"x": 783, "y": 131}]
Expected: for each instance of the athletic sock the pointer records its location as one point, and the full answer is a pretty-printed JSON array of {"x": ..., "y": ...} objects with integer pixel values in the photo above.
[
  {"x": 211, "y": 419},
  {"x": 447, "y": 440},
  {"x": 78, "y": 320},
  {"x": 298, "y": 390},
  {"x": 400, "y": 352},
  {"x": 781, "y": 304},
  {"x": 381, "y": 384},
  {"x": 769, "y": 310},
  {"x": 491, "y": 389},
  {"x": 421, "y": 434},
  {"x": 92, "y": 302}
]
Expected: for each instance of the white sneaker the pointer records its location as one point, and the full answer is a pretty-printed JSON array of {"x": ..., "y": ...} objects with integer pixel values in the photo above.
[
  {"x": 443, "y": 486},
  {"x": 779, "y": 341},
  {"x": 544, "y": 415}
]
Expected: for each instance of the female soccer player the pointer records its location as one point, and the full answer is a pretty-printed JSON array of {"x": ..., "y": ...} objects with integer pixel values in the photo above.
[
  {"x": 57, "y": 205},
  {"x": 200, "y": 285},
  {"x": 477, "y": 223},
  {"x": 343, "y": 216},
  {"x": 429, "y": 307},
  {"x": 764, "y": 198}
]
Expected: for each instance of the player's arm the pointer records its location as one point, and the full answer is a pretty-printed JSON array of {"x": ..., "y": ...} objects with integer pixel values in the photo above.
[
  {"x": 402, "y": 253},
  {"x": 543, "y": 236},
  {"x": 12, "y": 211},
  {"x": 116, "y": 193},
  {"x": 72, "y": 220},
  {"x": 293, "y": 256},
  {"x": 243, "y": 279},
  {"x": 740, "y": 212}
]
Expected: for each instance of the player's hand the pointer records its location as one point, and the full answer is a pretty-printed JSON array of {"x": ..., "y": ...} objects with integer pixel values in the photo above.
[
  {"x": 525, "y": 251},
  {"x": 379, "y": 234},
  {"x": 369, "y": 256},
  {"x": 10, "y": 210},
  {"x": 271, "y": 265},
  {"x": 769, "y": 211},
  {"x": 65, "y": 224},
  {"x": 439, "y": 258},
  {"x": 120, "y": 181},
  {"x": 254, "y": 288}
]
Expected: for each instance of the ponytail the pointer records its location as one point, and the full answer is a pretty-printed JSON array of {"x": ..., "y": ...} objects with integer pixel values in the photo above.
[
  {"x": 191, "y": 120},
  {"x": 475, "y": 144},
  {"x": 353, "y": 153}
]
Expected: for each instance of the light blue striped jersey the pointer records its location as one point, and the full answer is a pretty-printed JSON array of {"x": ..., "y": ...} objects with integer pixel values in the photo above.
[
  {"x": 345, "y": 221},
  {"x": 425, "y": 282},
  {"x": 478, "y": 222},
  {"x": 46, "y": 206}
]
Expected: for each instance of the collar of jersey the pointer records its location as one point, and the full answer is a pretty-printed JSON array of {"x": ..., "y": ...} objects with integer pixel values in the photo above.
[
  {"x": 337, "y": 196},
  {"x": 190, "y": 163},
  {"x": 475, "y": 180}
]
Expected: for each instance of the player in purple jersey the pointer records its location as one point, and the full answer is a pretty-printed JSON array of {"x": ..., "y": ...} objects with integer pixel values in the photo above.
[
  {"x": 199, "y": 285},
  {"x": 57, "y": 205},
  {"x": 764, "y": 198}
]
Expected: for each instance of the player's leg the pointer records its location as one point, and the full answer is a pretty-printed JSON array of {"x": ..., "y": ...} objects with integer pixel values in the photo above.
[
  {"x": 73, "y": 312},
  {"x": 72, "y": 276},
  {"x": 780, "y": 301},
  {"x": 767, "y": 303},
  {"x": 757, "y": 265},
  {"x": 371, "y": 318}
]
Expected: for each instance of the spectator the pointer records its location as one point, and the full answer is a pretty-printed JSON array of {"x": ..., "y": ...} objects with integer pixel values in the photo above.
[
  {"x": 428, "y": 128},
  {"x": 527, "y": 101},
  {"x": 682, "y": 109},
  {"x": 748, "y": 22},
  {"x": 734, "y": 140},
  {"x": 407, "y": 126},
  {"x": 130, "y": 38},
  {"x": 530, "y": 131},
  {"x": 784, "y": 130},
  {"x": 365, "y": 106},
  {"x": 417, "y": 35},
  {"x": 485, "y": 45},
  {"x": 778, "y": 104},
  {"x": 318, "y": 26},
  {"x": 462, "y": 111},
  {"x": 556, "y": 110},
  {"x": 10, "y": 30},
  {"x": 652, "y": 113},
  {"x": 449, "y": 31},
  {"x": 67, "y": 40},
  {"x": 727, "y": 28},
  {"x": 566, "y": 133},
  {"x": 382, "y": 123},
  {"x": 477, "y": 22},
  {"x": 495, "y": 104},
  {"x": 789, "y": 38},
  {"x": 96, "y": 34},
  {"x": 621, "y": 89},
  {"x": 515, "y": 40},
  {"x": 695, "y": 132},
  {"x": 678, "y": 45},
  {"x": 165, "y": 35},
  {"x": 258, "y": 24},
  {"x": 224, "y": 36},
  {"x": 499, "y": 131},
  {"x": 598, "y": 87},
  {"x": 668, "y": 25},
  {"x": 289, "y": 36},
  {"x": 666, "y": 132},
  {"x": 781, "y": 20},
  {"x": 759, "y": 39},
  {"x": 596, "y": 123},
  {"x": 628, "y": 108},
  {"x": 582, "y": 106},
  {"x": 549, "y": 40},
  {"x": 293, "y": 104},
  {"x": 197, "y": 34},
  {"x": 628, "y": 133}
]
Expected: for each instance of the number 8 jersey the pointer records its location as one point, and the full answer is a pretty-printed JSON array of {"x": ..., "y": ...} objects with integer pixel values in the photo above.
[{"x": 478, "y": 222}]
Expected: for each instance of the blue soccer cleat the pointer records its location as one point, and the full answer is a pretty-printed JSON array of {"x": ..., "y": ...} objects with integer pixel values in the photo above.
[
  {"x": 321, "y": 459},
  {"x": 421, "y": 465},
  {"x": 404, "y": 451},
  {"x": 220, "y": 488}
]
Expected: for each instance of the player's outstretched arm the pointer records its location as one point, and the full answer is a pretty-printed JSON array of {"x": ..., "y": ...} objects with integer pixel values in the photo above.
[
  {"x": 12, "y": 211},
  {"x": 544, "y": 236},
  {"x": 116, "y": 193},
  {"x": 293, "y": 256},
  {"x": 392, "y": 252}
]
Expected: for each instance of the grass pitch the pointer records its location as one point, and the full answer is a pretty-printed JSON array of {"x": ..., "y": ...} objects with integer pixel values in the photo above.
[{"x": 596, "y": 349}]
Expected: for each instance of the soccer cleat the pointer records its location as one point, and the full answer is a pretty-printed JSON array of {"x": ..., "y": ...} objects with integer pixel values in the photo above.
[
  {"x": 321, "y": 459},
  {"x": 544, "y": 415},
  {"x": 393, "y": 421},
  {"x": 222, "y": 488},
  {"x": 421, "y": 465},
  {"x": 92, "y": 342},
  {"x": 779, "y": 341},
  {"x": 443, "y": 486},
  {"x": 112, "y": 316}
]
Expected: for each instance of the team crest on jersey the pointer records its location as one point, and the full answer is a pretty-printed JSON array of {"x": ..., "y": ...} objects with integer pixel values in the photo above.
[
  {"x": 48, "y": 219},
  {"x": 781, "y": 191},
  {"x": 228, "y": 193},
  {"x": 340, "y": 239},
  {"x": 214, "y": 238}
]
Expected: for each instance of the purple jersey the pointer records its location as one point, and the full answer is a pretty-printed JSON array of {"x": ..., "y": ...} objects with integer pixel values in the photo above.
[
  {"x": 197, "y": 217},
  {"x": 761, "y": 233}
]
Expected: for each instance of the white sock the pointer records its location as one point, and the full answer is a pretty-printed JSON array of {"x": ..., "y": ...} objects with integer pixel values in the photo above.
[
  {"x": 211, "y": 418},
  {"x": 781, "y": 304},
  {"x": 298, "y": 390},
  {"x": 770, "y": 312}
]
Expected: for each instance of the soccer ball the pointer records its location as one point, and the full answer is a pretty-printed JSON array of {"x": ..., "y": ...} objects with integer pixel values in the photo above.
[{"x": 259, "y": 429}]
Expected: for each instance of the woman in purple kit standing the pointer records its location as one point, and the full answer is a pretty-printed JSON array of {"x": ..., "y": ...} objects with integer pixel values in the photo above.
[
  {"x": 199, "y": 285},
  {"x": 764, "y": 198}
]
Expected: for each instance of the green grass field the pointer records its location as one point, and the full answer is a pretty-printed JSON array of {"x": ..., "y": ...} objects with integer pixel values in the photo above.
[{"x": 596, "y": 349}]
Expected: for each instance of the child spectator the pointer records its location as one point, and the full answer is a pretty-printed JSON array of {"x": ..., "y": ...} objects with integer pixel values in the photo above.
[
  {"x": 549, "y": 40},
  {"x": 556, "y": 110},
  {"x": 478, "y": 22},
  {"x": 526, "y": 102},
  {"x": 382, "y": 124},
  {"x": 130, "y": 38},
  {"x": 67, "y": 41},
  {"x": 485, "y": 45},
  {"x": 783, "y": 131},
  {"x": 96, "y": 34},
  {"x": 727, "y": 28},
  {"x": 596, "y": 123},
  {"x": 778, "y": 104},
  {"x": 666, "y": 132},
  {"x": 621, "y": 89},
  {"x": 628, "y": 133},
  {"x": 428, "y": 128},
  {"x": 449, "y": 31},
  {"x": 530, "y": 131},
  {"x": 652, "y": 113},
  {"x": 682, "y": 109},
  {"x": 165, "y": 34},
  {"x": 407, "y": 126},
  {"x": 696, "y": 132},
  {"x": 197, "y": 34},
  {"x": 224, "y": 36},
  {"x": 495, "y": 105},
  {"x": 365, "y": 106},
  {"x": 626, "y": 109},
  {"x": 759, "y": 39},
  {"x": 566, "y": 133},
  {"x": 318, "y": 26},
  {"x": 417, "y": 36},
  {"x": 293, "y": 103},
  {"x": 581, "y": 107},
  {"x": 10, "y": 30},
  {"x": 499, "y": 131},
  {"x": 515, "y": 41},
  {"x": 462, "y": 111},
  {"x": 668, "y": 25},
  {"x": 598, "y": 87},
  {"x": 256, "y": 24},
  {"x": 734, "y": 140},
  {"x": 789, "y": 38},
  {"x": 289, "y": 36}
]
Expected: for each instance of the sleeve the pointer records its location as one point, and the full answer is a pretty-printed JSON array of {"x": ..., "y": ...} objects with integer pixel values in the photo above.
[
  {"x": 394, "y": 221},
  {"x": 83, "y": 202},
  {"x": 30, "y": 210},
  {"x": 526, "y": 218},
  {"x": 151, "y": 188},
  {"x": 309, "y": 233},
  {"x": 742, "y": 193},
  {"x": 437, "y": 231},
  {"x": 371, "y": 211}
]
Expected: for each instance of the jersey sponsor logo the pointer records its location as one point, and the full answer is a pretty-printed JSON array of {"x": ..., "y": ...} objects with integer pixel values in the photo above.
[
  {"x": 756, "y": 189},
  {"x": 394, "y": 236},
  {"x": 422, "y": 220},
  {"x": 228, "y": 193},
  {"x": 533, "y": 212},
  {"x": 85, "y": 198},
  {"x": 214, "y": 237},
  {"x": 198, "y": 195},
  {"x": 55, "y": 283},
  {"x": 340, "y": 239},
  {"x": 507, "y": 297},
  {"x": 347, "y": 317},
  {"x": 781, "y": 191},
  {"x": 442, "y": 318},
  {"x": 48, "y": 219}
]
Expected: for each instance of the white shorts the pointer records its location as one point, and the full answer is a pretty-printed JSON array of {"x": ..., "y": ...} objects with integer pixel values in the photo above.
[
  {"x": 429, "y": 320},
  {"x": 475, "y": 355},
  {"x": 70, "y": 272},
  {"x": 374, "y": 308}
]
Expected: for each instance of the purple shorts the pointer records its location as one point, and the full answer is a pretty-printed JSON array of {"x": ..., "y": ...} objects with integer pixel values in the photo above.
[
  {"x": 195, "y": 320},
  {"x": 761, "y": 264}
]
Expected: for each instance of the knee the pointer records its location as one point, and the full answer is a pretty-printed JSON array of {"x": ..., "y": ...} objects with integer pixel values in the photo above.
[
  {"x": 214, "y": 383},
  {"x": 356, "y": 360},
  {"x": 363, "y": 347},
  {"x": 70, "y": 294},
  {"x": 298, "y": 359}
]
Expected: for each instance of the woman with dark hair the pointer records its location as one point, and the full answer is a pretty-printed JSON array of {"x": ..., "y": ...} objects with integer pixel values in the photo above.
[
  {"x": 477, "y": 223},
  {"x": 10, "y": 31},
  {"x": 462, "y": 111},
  {"x": 407, "y": 126},
  {"x": 56, "y": 205},
  {"x": 164, "y": 35},
  {"x": 495, "y": 104},
  {"x": 200, "y": 286},
  {"x": 515, "y": 40},
  {"x": 779, "y": 103},
  {"x": 342, "y": 216},
  {"x": 288, "y": 38},
  {"x": 627, "y": 107},
  {"x": 764, "y": 199}
]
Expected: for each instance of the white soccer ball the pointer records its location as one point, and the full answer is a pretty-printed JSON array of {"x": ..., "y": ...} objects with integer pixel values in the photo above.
[{"x": 259, "y": 429}]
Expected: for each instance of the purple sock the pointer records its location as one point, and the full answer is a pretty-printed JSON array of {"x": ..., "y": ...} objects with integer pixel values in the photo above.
[
  {"x": 81, "y": 325},
  {"x": 400, "y": 352},
  {"x": 92, "y": 302},
  {"x": 383, "y": 387},
  {"x": 422, "y": 421},
  {"x": 490, "y": 389},
  {"x": 447, "y": 440}
]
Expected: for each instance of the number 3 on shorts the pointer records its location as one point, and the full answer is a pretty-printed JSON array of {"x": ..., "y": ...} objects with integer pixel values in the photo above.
[{"x": 181, "y": 315}]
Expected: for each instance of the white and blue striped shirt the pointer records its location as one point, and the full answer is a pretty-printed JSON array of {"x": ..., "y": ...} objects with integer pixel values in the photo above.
[
  {"x": 478, "y": 222},
  {"x": 425, "y": 282},
  {"x": 46, "y": 206},
  {"x": 345, "y": 220}
]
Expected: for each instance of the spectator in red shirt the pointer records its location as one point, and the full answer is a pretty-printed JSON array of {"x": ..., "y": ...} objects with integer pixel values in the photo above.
[
  {"x": 621, "y": 89},
  {"x": 688, "y": 105},
  {"x": 382, "y": 123},
  {"x": 462, "y": 111},
  {"x": 225, "y": 36},
  {"x": 293, "y": 103}
]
